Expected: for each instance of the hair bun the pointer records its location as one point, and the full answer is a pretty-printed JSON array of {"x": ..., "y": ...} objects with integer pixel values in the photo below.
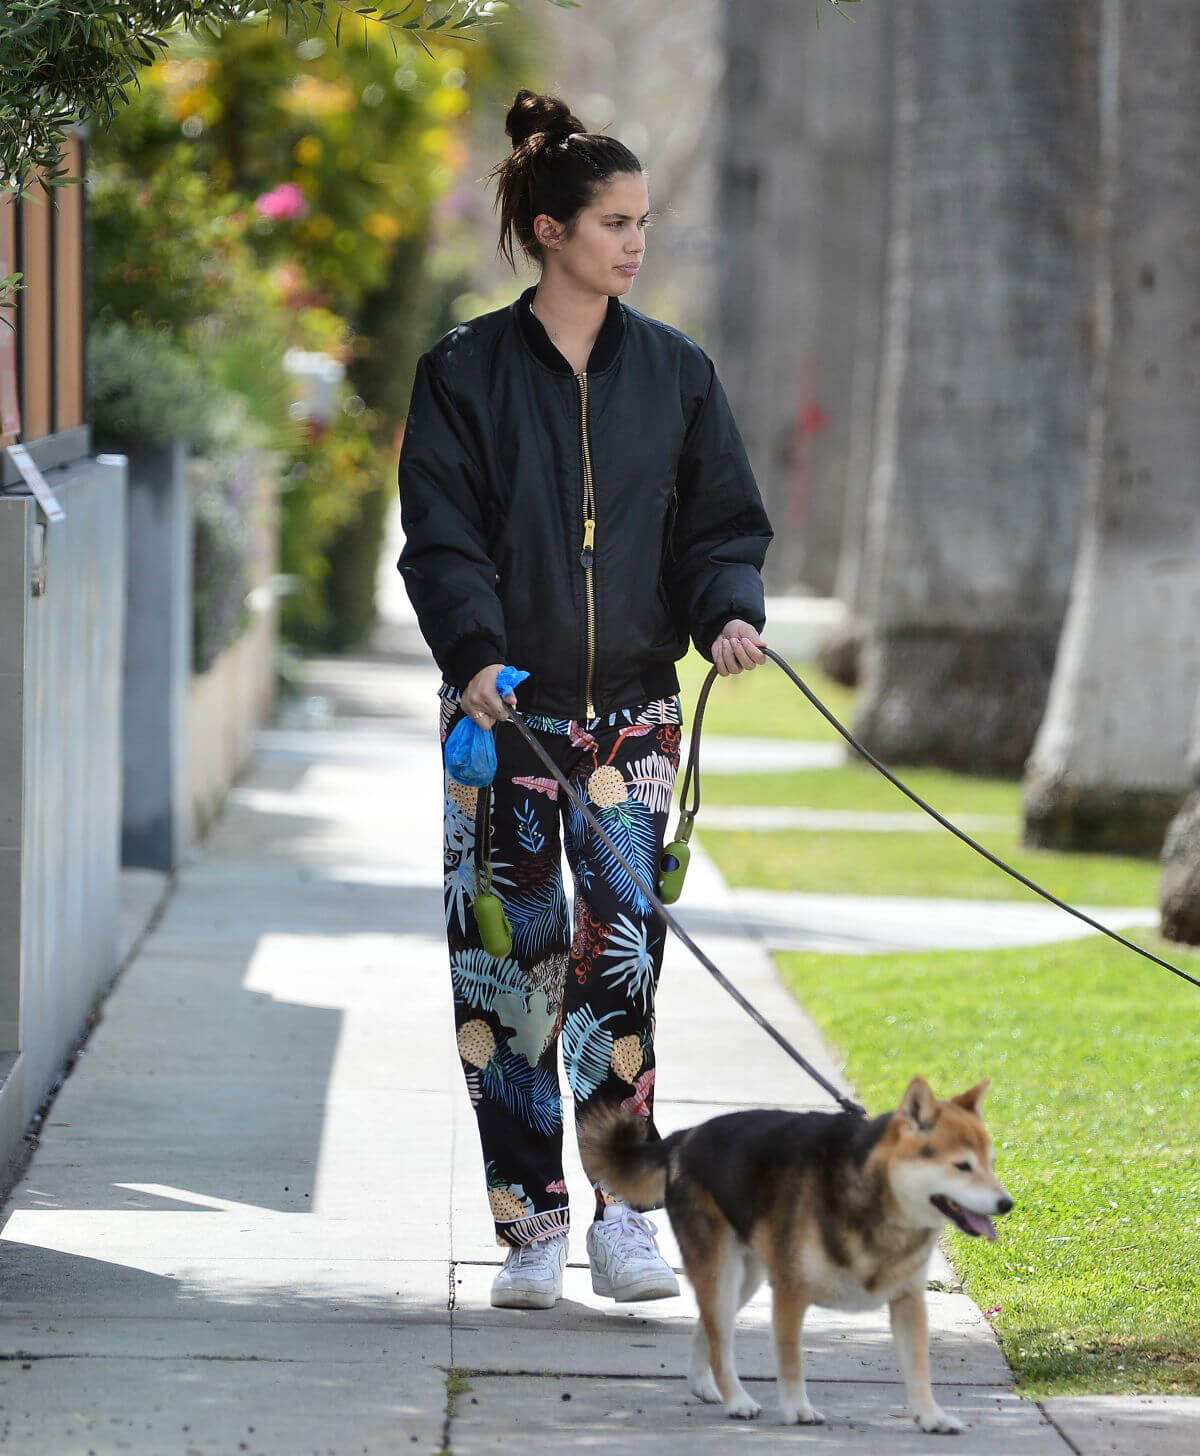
[{"x": 531, "y": 114}]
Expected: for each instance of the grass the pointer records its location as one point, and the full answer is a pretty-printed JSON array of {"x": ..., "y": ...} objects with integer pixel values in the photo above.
[
  {"x": 859, "y": 786},
  {"x": 935, "y": 865},
  {"x": 1094, "y": 1111},
  {"x": 763, "y": 703},
  {"x": 457, "y": 1384}
]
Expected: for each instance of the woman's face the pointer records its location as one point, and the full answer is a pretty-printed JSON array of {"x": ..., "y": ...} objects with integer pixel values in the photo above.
[{"x": 609, "y": 238}]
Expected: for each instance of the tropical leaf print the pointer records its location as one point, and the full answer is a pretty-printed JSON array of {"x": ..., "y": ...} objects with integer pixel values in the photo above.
[
  {"x": 543, "y": 724},
  {"x": 446, "y": 711},
  {"x": 458, "y": 824},
  {"x": 538, "y": 918},
  {"x": 529, "y": 831},
  {"x": 530, "y": 1020},
  {"x": 662, "y": 710},
  {"x": 458, "y": 886},
  {"x": 541, "y": 785},
  {"x": 633, "y": 967},
  {"x": 652, "y": 780},
  {"x": 478, "y": 978},
  {"x": 458, "y": 882},
  {"x": 639, "y": 1103},
  {"x": 580, "y": 737},
  {"x": 587, "y": 1050},
  {"x": 630, "y": 826},
  {"x": 529, "y": 1093},
  {"x": 577, "y": 827}
]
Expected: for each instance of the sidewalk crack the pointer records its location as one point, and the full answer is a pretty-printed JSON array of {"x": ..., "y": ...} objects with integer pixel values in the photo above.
[{"x": 1054, "y": 1426}]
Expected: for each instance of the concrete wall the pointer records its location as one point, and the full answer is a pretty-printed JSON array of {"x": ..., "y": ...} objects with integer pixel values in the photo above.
[
  {"x": 60, "y": 774},
  {"x": 158, "y": 656},
  {"x": 226, "y": 704}
]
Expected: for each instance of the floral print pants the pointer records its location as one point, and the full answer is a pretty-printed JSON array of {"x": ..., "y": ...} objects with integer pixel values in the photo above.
[{"x": 589, "y": 986}]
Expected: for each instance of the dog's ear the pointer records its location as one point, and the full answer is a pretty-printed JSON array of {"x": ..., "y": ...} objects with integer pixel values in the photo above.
[
  {"x": 919, "y": 1105},
  {"x": 973, "y": 1096}
]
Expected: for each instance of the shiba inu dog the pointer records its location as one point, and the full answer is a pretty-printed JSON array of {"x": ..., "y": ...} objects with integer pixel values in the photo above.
[{"x": 833, "y": 1209}]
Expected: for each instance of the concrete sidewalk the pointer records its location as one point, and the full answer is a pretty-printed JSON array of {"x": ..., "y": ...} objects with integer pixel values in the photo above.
[{"x": 256, "y": 1218}]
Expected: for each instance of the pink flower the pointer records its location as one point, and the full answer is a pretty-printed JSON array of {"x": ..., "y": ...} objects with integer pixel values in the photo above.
[
  {"x": 556, "y": 1187},
  {"x": 282, "y": 203}
]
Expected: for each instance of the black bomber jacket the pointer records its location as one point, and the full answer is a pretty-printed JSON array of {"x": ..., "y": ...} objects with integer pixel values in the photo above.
[{"x": 580, "y": 526}]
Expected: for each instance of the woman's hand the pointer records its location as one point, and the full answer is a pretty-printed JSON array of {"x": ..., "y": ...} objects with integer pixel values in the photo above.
[
  {"x": 481, "y": 701},
  {"x": 737, "y": 649}
]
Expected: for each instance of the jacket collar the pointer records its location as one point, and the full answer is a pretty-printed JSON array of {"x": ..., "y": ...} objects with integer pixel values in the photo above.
[{"x": 604, "y": 350}]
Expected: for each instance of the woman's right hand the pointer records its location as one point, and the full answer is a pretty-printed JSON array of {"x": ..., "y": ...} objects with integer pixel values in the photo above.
[{"x": 481, "y": 701}]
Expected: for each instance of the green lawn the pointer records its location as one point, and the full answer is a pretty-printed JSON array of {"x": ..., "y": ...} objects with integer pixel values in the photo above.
[
  {"x": 1094, "y": 1113},
  {"x": 859, "y": 786},
  {"x": 935, "y": 865},
  {"x": 763, "y": 703}
]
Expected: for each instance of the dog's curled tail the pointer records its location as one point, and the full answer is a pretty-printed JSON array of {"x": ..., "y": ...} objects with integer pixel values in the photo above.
[{"x": 616, "y": 1153}]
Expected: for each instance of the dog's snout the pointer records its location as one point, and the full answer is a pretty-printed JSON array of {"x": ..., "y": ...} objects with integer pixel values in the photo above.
[{"x": 1004, "y": 1205}]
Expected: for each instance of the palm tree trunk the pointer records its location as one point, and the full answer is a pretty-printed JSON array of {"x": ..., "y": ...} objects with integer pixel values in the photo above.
[
  {"x": 841, "y": 651},
  {"x": 976, "y": 483},
  {"x": 1109, "y": 768},
  {"x": 848, "y": 118},
  {"x": 768, "y": 200}
]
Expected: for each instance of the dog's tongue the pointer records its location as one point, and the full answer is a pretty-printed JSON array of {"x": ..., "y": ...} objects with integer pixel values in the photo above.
[{"x": 979, "y": 1223}]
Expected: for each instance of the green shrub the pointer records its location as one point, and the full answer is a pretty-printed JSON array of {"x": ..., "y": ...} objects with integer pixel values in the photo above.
[
  {"x": 143, "y": 389},
  {"x": 222, "y": 493}
]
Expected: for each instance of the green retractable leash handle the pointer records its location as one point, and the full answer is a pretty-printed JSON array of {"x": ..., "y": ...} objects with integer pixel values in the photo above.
[
  {"x": 676, "y": 856},
  {"x": 495, "y": 929}
]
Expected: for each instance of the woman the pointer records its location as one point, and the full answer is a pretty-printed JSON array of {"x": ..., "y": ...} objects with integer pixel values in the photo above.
[{"x": 576, "y": 501}]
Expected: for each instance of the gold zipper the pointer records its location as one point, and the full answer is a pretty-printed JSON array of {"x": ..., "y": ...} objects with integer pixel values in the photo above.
[{"x": 587, "y": 555}]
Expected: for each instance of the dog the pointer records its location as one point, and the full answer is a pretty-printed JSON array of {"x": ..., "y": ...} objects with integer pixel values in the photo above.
[{"x": 834, "y": 1209}]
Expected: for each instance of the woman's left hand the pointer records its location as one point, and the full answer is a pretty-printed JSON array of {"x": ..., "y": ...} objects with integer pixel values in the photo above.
[{"x": 737, "y": 649}]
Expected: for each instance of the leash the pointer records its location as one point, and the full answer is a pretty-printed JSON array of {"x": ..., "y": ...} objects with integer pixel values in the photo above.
[
  {"x": 846, "y": 1104},
  {"x": 692, "y": 773}
]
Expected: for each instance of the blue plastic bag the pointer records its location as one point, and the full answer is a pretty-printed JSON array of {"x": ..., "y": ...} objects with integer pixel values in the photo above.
[{"x": 470, "y": 749}]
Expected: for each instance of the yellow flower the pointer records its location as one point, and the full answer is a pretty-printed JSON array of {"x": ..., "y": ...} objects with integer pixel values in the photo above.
[
  {"x": 307, "y": 150},
  {"x": 448, "y": 102},
  {"x": 382, "y": 225}
]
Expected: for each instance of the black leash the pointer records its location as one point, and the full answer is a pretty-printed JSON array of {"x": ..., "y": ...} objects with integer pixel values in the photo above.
[
  {"x": 693, "y": 769},
  {"x": 726, "y": 984}
]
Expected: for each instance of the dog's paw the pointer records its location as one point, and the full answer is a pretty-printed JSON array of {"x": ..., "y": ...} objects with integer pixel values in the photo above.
[
  {"x": 801, "y": 1415},
  {"x": 742, "y": 1407},
  {"x": 939, "y": 1422},
  {"x": 705, "y": 1389}
]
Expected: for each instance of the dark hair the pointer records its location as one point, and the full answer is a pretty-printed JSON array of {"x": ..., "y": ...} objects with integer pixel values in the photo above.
[{"x": 556, "y": 166}]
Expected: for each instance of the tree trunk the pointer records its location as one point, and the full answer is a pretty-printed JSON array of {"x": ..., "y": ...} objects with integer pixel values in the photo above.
[
  {"x": 1179, "y": 893},
  {"x": 848, "y": 118},
  {"x": 768, "y": 199},
  {"x": 976, "y": 482},
  {"x": 1109, "y": 768},
  {"x": 840, "y": 653}
]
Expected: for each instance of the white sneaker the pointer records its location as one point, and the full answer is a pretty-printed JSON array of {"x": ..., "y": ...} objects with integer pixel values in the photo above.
[
  {"x": 532, "y": 1276},
  {"x": 626, "y": 1264}
]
